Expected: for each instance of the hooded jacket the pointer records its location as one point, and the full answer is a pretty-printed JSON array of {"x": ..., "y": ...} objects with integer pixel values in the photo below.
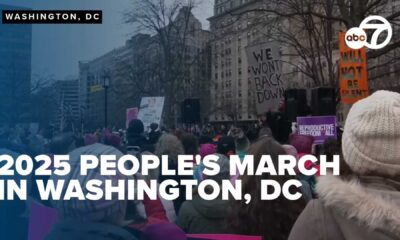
[
  {"x": 200, "y": 216},
  {"x": 365, "y": 208}
]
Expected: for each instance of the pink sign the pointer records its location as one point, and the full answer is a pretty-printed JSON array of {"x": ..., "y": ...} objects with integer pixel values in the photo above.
[
  {"x": 41, "y": 220},
  {"x": 131, "y": 114},
  {"x": 223, "y": 237}
]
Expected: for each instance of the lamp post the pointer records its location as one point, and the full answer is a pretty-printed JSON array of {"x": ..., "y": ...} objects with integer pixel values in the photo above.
[{"x": 106, "y": 85}]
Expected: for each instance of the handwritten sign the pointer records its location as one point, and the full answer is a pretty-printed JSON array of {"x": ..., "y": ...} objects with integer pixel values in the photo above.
[
  {"x": 353, "y": 75},
  {"x": 320, "y": 128},
  {"x": 265, "y": 73},
  {"x": 151, "y": 109}
]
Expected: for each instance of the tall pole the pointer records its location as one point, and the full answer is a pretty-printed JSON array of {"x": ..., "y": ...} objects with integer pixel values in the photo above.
[
  {"x": 105, "y": 106},
  {"x": 106, "y": 86}
]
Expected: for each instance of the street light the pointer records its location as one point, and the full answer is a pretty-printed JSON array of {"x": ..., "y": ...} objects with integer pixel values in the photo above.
[{"x": 106, "y": 85}]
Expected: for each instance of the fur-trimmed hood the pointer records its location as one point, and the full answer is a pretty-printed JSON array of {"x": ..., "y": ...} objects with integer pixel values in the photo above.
[{"x": 371, "y": 201}]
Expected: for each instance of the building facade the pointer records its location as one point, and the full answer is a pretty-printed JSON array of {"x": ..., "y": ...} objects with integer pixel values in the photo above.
[
  {"x": 137, "y": 69},
  {"x": 68, "y": 111},
  {"x": 97, "y": 81},
  {"x": 15, "y": 70},
  {"x": 234, "y": 28}
]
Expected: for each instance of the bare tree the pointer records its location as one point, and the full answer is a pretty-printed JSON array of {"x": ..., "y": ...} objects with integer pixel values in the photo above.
[
  {"x": 158, "y": 17},
  {"x": 308, "y": 30},
  {"x": 171, "y": 25},
  {"x": 16, "y": 102}
]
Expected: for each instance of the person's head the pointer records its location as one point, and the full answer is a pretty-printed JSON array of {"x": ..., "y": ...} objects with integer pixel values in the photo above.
[
  {"x": 265, "y": 132},
  {"x": 136, "y": 127},
  {"x": 104, "y": 211},
  {"x": 190, "y": 144},
  {"x": 47, "y": 132},
  {"x": 270, "y": 219},
  {"x": 242, "y": 143},
  {"x": 290, "y": 150},
  {"x": 153, "y": 126},
  {"x": 302, "y": 143},
  {"x": 204, "y": 139},
  {"x": 371, "y": 137},
  {"x": 170, "y": 145},
  {"x": 37, "y": 145},
  {"x": 179, "y": 133},
  {"x": 331, "y": 147},
  {"x": 207, "y": 149},
  {"x": 223, "y": 174},
  {"x": 62, "y": 144},
  {"x": 226, "y": 146},
  {"x": 252, "y": 134},
  {"x": 112, "y": 140},
  {"x": 90, "y": 139}
]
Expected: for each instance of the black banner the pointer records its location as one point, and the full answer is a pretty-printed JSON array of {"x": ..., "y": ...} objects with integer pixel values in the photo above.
[{"x": 52, "y": 17}]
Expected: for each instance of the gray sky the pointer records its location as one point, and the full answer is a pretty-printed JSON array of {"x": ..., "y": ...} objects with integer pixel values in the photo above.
[{"x": 57, "y": 49}]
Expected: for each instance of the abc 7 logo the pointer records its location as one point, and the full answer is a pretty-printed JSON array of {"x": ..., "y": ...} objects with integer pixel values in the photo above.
[{"x": 356, "y": 38}]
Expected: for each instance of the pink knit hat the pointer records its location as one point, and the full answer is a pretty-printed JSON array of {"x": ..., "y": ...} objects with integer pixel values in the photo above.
[
  {"x": 90, "y": 139},
  {"x": 207, "y": 149},
  {"x": 302, "y": 143}
]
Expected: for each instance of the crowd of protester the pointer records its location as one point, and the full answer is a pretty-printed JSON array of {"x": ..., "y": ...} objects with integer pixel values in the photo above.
[{"x": 363, "y": 203}]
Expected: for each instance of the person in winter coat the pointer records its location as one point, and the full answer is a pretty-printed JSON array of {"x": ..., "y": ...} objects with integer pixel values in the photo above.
[
  {"x": 154, "y": 133},
  {"x": 13, "y": 223},
  {"x": 85, "y": 219},
  {"x": 135, "y": 135},
  {"x": 226, "y": 146},
  {"x": 158, "y": 210},
  {"x": 270, "y": 219},
  {"x": 200, "y": 216},
  {"x": 170, "y": 145},
  {"x": 365, "y": 205}
]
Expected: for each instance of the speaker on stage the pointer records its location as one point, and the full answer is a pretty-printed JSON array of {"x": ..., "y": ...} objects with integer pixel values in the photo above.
[
  {"x": 190, "y": 111},
  {"x": 323, "y": 102},
  {"x": 296, "y": 104}
]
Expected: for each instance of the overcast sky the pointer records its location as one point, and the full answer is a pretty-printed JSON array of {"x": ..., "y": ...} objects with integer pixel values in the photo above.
[{"x": 57, "y": 49}]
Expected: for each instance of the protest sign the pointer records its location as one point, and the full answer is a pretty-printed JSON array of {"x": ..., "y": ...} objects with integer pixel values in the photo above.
[
  {"x": 320, "y": 128},
  {"x": 353, "y": 75},
  {"x": 151, "y": 109},
  {"x": 265, "y": 74},
  {"x": 131, "y": 114}
]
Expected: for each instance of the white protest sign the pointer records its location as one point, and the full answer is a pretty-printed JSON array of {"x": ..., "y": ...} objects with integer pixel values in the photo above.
[
  {"x": 150, "y": 111},
  {"x": 265, "y": 74}
]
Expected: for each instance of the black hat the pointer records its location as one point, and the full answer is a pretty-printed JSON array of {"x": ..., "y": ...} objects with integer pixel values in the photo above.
[{"x": 226, "y": 145}]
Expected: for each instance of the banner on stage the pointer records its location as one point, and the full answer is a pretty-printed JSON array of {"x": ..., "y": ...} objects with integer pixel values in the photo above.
[{"x": 320, "y": 128}]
